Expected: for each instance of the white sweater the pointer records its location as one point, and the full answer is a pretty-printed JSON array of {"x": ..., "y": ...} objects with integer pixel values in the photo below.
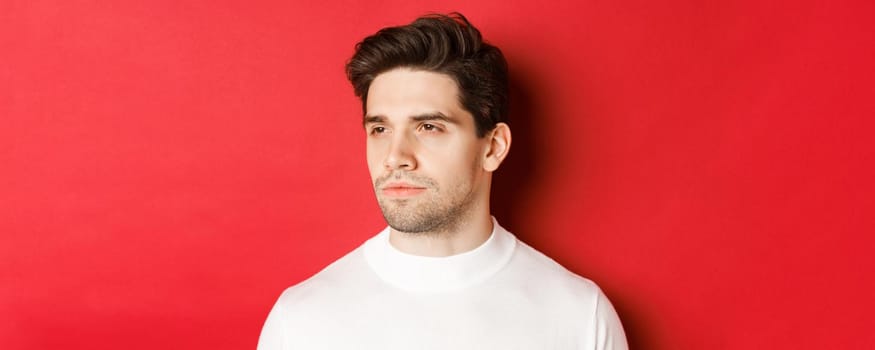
[{"x": 501, "y": 295}]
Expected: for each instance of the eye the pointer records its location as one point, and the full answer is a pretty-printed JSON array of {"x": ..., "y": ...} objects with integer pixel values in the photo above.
[
  {"x": 378, "y": 130},
  {"x": 427, "y": 127}
]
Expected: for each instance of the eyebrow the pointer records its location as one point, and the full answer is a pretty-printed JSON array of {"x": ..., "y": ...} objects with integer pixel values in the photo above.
[{"x": 417, "y": 118}]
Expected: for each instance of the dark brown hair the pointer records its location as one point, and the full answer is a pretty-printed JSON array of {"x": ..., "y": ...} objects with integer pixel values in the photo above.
[{"x": 446, "y": 44}]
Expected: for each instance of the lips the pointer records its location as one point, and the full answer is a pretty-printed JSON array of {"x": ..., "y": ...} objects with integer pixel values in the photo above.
[{"x": 401, "y": 189}]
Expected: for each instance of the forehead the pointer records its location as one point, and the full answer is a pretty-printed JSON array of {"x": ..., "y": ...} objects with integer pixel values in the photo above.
[{"x": 404, "y": 92}]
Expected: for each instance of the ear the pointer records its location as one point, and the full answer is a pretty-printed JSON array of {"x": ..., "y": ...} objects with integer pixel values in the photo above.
[{"x": 496, "y": 150}]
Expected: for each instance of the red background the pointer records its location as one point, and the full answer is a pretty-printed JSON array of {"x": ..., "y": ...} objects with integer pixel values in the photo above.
[{"x": 167, "y": 168}]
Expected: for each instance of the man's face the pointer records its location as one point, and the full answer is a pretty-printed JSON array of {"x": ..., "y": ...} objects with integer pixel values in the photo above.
[{"x": 423, "y": 153}]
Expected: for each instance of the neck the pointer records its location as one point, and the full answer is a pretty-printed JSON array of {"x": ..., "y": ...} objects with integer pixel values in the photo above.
[{"x": 470, "y": 234}]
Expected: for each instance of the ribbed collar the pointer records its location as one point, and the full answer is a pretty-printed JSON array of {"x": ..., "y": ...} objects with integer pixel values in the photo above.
[{"x": 439, "y": 274}]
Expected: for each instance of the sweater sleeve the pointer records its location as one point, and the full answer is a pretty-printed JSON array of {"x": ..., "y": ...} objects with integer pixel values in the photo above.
[
  {"x": 608, "y": 329},
  {"x": 271, "y": 337}
]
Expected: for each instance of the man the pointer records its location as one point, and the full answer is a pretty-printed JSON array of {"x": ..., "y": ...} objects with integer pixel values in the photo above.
[{"x": 444, "y": 274}]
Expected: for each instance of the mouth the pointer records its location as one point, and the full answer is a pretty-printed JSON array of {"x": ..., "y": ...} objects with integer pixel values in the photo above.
[{"x": 401, "y": 189}]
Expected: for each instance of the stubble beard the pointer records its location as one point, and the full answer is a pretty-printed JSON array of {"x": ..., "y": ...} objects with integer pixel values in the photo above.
[{"x": 436, "y": 211}]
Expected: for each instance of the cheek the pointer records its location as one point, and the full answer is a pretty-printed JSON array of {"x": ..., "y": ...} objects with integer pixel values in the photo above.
[
  {"x": 455, "y": 162},
  {"x": 374, "y": 155},
  {"x": 434, "y": 143}
]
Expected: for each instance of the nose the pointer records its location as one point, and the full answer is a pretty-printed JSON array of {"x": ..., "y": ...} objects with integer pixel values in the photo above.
[{"x": 401, "y": 153}]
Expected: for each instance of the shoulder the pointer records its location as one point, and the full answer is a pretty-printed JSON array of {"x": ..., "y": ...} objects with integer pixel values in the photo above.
[
  {"x": 335, "y": 281},
  {"x": 551, "y": 277},
  {"x": 551, "y": 294}
]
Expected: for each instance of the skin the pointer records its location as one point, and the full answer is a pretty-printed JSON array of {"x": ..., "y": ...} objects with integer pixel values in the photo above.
[{"x": 431, "y": 173}]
